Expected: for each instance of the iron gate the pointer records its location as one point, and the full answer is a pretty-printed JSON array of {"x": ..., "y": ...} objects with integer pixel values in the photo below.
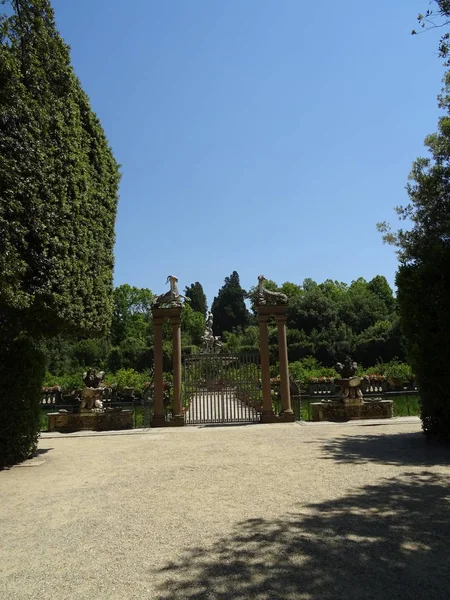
[{"x": 222, "y": 388}]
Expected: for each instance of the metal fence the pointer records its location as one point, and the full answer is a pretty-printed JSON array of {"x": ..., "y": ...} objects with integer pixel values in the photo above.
[
  {"x": 229, "y": 391},
  {"x": 222, "y": 388}
]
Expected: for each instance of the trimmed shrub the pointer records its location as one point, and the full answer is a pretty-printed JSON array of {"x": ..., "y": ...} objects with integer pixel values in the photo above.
[{"x": 22, "y": 369}]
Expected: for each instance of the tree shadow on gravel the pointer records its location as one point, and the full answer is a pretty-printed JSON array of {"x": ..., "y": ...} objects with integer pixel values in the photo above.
[
  {"x": 393, "y": 449},
  {"x": 385, "y": 541}
]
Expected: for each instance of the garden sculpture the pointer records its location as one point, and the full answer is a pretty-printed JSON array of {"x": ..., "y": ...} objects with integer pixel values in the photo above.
[
  {"x": 172, "y": 298},
  {"x": 91, "y": 395},
  {"x": 263, "y": 296},
  {"x": 211, "y": 342},
  {"x": 350, "y": 382}
]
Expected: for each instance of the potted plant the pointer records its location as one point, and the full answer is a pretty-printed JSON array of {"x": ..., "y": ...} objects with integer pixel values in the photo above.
[{"x": 398, "y": 373}]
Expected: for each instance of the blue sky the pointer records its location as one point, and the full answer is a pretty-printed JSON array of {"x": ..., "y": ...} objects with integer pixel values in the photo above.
[{"x": 263, "y": 136}]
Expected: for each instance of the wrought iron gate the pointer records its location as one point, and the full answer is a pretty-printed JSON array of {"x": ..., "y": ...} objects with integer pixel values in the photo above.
[{"x": 222, "y": 388}]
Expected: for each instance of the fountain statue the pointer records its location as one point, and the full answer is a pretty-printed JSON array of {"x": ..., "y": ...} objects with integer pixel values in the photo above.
[
  {"x": 350, "y": 383},
  {"x": 351, "y": 404},
  {"x": 89, "y": 412},
  {"x": 92, "y": 394},
  {"x": 211, "y": 343}
]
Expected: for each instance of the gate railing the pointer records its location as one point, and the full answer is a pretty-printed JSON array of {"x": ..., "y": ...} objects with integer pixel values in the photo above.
[{"x": 221, "y": 388}]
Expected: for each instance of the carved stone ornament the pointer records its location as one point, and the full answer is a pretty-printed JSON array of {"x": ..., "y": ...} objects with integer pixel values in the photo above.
[
  {"x": 265, "y": 297},
  {"x": 172, "y": 298}
]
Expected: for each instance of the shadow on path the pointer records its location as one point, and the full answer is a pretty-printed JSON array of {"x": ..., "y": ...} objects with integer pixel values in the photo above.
[
  {"x": 40, "y": 451},
  {"x": 390, "y": 540},
  {"x": 400, "y": 448}
]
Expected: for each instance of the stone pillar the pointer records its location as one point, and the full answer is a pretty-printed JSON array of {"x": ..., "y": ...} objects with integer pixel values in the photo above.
[
  {"x": 176, "y": 359},
  {"x": 159, "y": 415},
  {"x": 160, "y": 315},
  {"x": 280, "y": 317},
  {"x": 267, "y": 415}
]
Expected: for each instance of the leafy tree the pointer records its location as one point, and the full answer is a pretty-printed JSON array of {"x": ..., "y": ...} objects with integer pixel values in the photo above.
[
  {"x": 198, "y": 298},
  {"x": 382, "y": 341},
  {"x": 131, "y": 313},
  {"x": 434, "y": 18},
  {"x": 192, "y": 326},
  {"x": 91, "y": 352},
  {"x": 423, "y": 277},
  {"x": 58, "y": 200},
  {"x": 228, "y": 308},
  {"x": 360, "y": 307},
  {"x": 381, "y": 288},
  {"x": 313, "y": 309},
  {"x": 292, "y": 290}
]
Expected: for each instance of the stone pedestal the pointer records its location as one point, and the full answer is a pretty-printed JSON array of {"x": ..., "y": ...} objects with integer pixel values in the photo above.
[
  {"x": 160, "y": 315},
  {"x": 278, "y": 312},
  {"x": 351, "y": 410},
  {"x": 93, "y": 421}
]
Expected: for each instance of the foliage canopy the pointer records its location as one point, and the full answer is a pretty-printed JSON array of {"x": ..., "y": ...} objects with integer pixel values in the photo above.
[
  {"x": 59, "y": 185},
  {"x": 423, "y": 277}
]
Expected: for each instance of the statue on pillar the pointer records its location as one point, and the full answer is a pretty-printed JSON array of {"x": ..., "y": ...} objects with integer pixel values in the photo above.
[
  {"x": 264, "y": 297},
  {"x": 172, "y": 298}
]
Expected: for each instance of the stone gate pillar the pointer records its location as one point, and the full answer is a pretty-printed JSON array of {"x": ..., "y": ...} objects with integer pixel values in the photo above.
[
  {"x": 280, "y": 317},
  {"x": 159, "y": 415},
  {"x": 176, "y": 357},
  {"x": 267, "y": 410},
  {"x": 265, "y": 312},
  {"x": 173, "y": 315}
]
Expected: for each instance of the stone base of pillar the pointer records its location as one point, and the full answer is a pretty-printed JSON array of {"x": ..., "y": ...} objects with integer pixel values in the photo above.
[
  {"x": 159, "y": 421},
  {"x": 176, "y": 421},
  {"x": 269, "y": 417},
  {"x": 287, "y": 417}
]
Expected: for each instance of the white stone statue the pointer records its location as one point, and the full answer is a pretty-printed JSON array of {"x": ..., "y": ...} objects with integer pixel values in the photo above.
[{"x": 211, "y": 343}]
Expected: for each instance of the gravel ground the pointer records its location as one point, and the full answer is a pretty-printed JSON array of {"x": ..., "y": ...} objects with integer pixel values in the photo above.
[{"x": 265, "y": 512}]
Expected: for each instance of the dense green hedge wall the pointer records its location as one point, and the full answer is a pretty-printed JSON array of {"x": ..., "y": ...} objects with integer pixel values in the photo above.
[{"x": 22, "y": 369}]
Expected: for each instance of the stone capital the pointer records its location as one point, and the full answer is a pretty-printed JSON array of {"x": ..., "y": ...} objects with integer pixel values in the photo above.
[
  {"x": 280, "y": 319},
  {"x": 263, "y": 319},
  {"x": 167, "y": 314},
  {"x": 278, "y": 311}
]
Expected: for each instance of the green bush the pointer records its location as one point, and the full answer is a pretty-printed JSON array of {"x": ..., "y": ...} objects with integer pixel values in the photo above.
[
  {"x": 127, "y": 378},
  {"x": 22, "y": 368},
  {"x": 309, "y": 368},
  {"x": 248, "y": 349},
  {"x": 66, "y": 382},
  {"x": 191, "y": 349},
  {"x": 397, "y": 370}
]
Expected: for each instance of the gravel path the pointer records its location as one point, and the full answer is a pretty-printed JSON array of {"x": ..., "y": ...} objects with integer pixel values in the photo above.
[{"x": 265, "y": 512}]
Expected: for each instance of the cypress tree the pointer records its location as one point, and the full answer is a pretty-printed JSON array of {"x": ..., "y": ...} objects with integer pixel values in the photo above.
[
  {"x": 198, "y": 298},
  {"x": 228, "y": 308}
]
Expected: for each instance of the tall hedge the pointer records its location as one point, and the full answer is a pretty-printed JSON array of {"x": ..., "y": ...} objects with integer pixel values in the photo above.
[
  {"x": 424, "y": 297},
  {"x": 423, "y": 278},
  {"x": 58, "y": 187},
  {"x": 58, "y": 192},
  {"x": 22, "y": 368}
]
